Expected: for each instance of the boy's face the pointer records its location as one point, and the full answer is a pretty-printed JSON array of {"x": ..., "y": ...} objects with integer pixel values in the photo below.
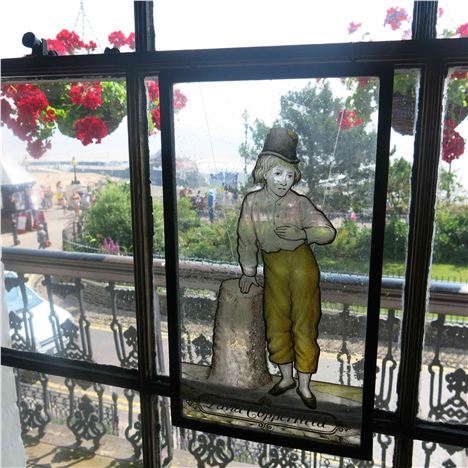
[{"x": 279, "y": 180}]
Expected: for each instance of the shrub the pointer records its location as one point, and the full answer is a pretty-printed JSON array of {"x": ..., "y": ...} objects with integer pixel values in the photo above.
[
  {"x": 396, "y": 233},
  {"x": 110, "y": 217},
  {"x": 451, "y": 237}
]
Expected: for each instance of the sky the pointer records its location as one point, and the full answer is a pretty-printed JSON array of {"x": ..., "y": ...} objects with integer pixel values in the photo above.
[{"x": 210, "y": 128}]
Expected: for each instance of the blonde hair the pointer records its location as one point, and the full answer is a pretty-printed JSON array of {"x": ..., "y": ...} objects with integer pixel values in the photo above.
[{"x": 267, "y": 162}]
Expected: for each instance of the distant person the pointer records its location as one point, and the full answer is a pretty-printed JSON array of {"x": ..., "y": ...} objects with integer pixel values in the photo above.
[
  {"x": 76, "y": 202},
  {"x": 48, "y": 195},
  {"x": 85, "y": 200},
  {"x": 59, "y": 193},
  {"x": 211, "y": 204},
  {"x": 42, "y": 237}
]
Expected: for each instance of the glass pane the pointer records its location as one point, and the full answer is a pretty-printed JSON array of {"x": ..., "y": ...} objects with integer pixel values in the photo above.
[
  {"x": 217, "y": 139},
  {"x": 159, "y": 271},
  {"x": 443, "y": 374},
  {"x": 65, "y": 169},
  {"x": 432, "y": 454},
  {"x": 77, "y": 422},
  {"x": 452, "y": 19},
  {"x": 66, "y": 202},
  {"x": 404, "y": 110},
  {"x": 70, "y": 28},
  {"x": 185, "y": 448},
  {"x": 90, "y": 317},
  {"x": 205, "y": 24}
]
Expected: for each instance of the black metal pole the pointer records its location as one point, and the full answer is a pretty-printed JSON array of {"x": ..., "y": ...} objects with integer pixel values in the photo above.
[{"x": 14, "y": 229}]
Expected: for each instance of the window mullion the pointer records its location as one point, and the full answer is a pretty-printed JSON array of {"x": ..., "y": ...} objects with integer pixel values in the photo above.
[
  {"x": 424, "y": 185},
  {"x": 424, "y": 20},
  {"x": 142, "y": 222},
  {"x": 144, "y": 26}
]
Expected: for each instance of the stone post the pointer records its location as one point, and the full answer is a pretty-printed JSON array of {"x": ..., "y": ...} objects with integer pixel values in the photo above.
[{"x": 239, "y": 344}]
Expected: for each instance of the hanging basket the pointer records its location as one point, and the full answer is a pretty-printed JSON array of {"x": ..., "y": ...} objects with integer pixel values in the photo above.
[
  {"x": 404, "y": 113},
  {"x": 456, "y": 112}
]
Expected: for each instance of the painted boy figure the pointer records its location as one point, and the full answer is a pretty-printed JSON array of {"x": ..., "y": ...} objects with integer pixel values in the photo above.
[{"x": 283, "y": 224}]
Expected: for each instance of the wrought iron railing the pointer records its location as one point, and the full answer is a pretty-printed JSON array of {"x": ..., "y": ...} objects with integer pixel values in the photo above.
[{"x": 343, "y": 296}]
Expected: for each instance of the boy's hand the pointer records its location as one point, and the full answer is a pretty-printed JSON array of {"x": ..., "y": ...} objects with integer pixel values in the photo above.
[
  {"x": 245, "y": 282},
  {"x": 290, "y": 232}
]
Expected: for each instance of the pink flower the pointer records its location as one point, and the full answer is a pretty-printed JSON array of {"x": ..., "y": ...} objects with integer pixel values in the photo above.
[
  {"x": 462, "y": 30},
  {"x": 110, "y": 246},
  {"x": 353, "y": 27},
  {"x": 180, "y": 100},
  {"x": 395, "y": 16}
]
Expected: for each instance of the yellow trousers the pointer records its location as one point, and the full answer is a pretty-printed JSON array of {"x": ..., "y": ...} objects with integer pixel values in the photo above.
[{"x": 291, "y": 307}]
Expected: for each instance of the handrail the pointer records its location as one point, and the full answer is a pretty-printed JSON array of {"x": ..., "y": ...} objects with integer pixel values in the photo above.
[{"x": 444, "y": 298}]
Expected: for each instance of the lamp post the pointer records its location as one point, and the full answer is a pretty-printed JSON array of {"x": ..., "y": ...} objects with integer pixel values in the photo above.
[{"x": 74, "y": 164}]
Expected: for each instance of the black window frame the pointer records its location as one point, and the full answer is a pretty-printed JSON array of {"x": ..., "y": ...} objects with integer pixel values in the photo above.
[{"x": 433, "y": 57}]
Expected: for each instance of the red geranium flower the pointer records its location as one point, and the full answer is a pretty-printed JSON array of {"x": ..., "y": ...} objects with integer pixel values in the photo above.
[
  {"x": 156, "y": 117},
  {"x": 453, "y": 144},
  {"x": 117, "y": 39},
  {"x": 363, "y": 81},
  {"x": 131, "y": 40},
  {"x": 459, "y": 75},
  {"x": 86, "y": 94},
  {"x": 58, "y": 46},
  {"x": 90, "y": 46},
  {"x": 37, "y": 148},
  {"x": 153, "y": 90},
  {"x": 6, "y": 111},
  {"x": 67, "y": 42},
  {"x": 347, "y": 119},
  {"x": 89, "y": 129},
  {"x": 49, "y": 116}
]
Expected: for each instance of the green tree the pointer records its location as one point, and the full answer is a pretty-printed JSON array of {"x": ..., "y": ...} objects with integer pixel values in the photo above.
[
  {"x": 337, "y": 164},
  {"x": 398, "y": 191}
]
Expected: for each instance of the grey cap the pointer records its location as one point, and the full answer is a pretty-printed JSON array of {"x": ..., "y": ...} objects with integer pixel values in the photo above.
[{"x": 282, "y": 143}]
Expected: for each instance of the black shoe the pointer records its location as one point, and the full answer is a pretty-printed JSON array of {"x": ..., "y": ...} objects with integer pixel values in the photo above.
[
  {"x": 278, "y": 390},
  {"x": 310, "y": 402}
]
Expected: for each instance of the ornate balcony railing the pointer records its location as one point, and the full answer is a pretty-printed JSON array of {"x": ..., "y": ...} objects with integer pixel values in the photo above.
[{"x": 89, "y": 417}]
